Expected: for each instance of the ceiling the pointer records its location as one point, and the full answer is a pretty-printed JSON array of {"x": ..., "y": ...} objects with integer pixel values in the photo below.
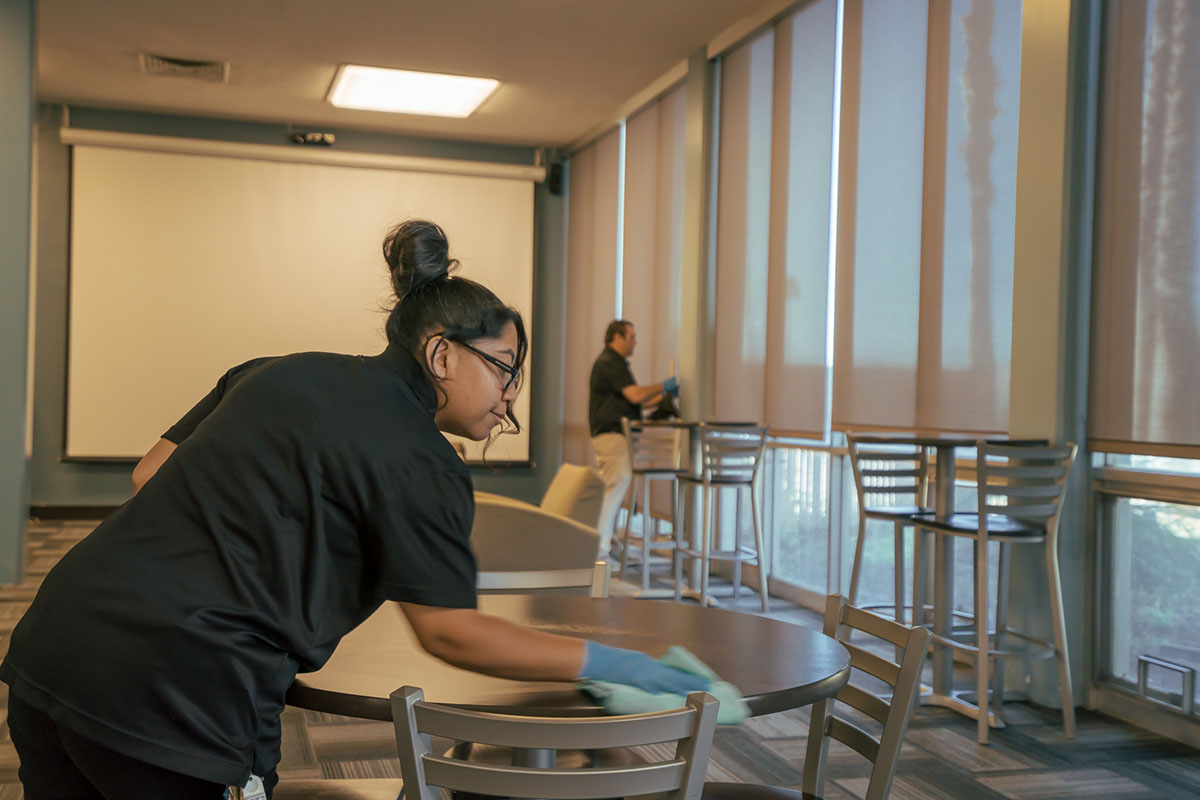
[{"x": 565, "y": 66}]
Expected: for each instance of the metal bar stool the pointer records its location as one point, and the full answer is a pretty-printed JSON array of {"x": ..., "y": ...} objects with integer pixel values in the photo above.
[
  {"x": 653, "y": 455},
  {"x": 730, "y": 457},
  {"x": 892, "y": 483},
  {"x": 1020, "y": 493}
]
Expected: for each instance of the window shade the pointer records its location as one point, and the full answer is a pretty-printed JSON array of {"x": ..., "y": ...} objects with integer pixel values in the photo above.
[
  {"x": 743, "y": 223},
  {"x": 1146, "y": 305},
  {"x": 970, "y": 208},
  {"x": 924, "y": 280},
  {"x": 591, "y": 281},
  {"x": 879, "y": 258},
  {"x": 653, "y": 233},
  {"x": 798, "y": 264}
]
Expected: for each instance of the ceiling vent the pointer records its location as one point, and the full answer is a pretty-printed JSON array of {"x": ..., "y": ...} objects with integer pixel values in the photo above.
[{"x": 215, "y": 71}]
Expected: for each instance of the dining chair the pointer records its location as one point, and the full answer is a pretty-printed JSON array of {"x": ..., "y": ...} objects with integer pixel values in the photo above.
[
  {"x": 593, "y": 581},
  {"x": 343, "y": 789},
  {"x": 892, "y": 484},
  {"x": 1019, "y": 501},
  {"x": 730, "y": 458},
  {"x": 576, "y": 492},
  {"x": 533, "y": 772},
  {"x": 510, "y": 535},
  {"x": 890, "y": 719},
  {"x": 654, "y": 454}
]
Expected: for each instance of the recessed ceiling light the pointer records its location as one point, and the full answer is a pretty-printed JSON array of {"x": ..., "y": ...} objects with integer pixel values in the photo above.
[{"x": 406, "y": 92}]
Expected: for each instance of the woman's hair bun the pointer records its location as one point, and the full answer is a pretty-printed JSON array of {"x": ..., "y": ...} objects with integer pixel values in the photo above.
[{"x": 417, "y": 255}]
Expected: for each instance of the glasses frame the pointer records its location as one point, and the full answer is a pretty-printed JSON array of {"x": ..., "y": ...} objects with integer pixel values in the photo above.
[{"x": 513, "y": 372}]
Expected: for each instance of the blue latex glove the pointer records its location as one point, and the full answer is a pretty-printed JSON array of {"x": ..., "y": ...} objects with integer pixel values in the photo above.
[
  {"x": 671, "y": 385},
  {"x": 632, "y": 668}
]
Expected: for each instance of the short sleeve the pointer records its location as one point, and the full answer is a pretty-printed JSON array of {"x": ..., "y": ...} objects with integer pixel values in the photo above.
[
  {"x": 615, "y": 375},
  {"x": 422, "y": 540},
  {"x": 189, "y": 422}
]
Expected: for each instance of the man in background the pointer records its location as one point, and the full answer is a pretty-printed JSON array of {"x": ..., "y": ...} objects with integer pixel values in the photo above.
[{"x": 613, "y": 394}]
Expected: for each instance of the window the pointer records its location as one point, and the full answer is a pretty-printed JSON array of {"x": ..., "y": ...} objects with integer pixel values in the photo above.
[{"x": 1150, "y": 591}]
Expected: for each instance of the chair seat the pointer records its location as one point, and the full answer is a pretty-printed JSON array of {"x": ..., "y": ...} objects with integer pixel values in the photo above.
[
  {"x": 715, "y": 481},
  {"x": 659, "y": 472},
  {"x": 341, "y": 789},
  {"x": 968, "y": 523},
  {"x": 894, "y": 512},
  {"x": 752, "y": 791}
]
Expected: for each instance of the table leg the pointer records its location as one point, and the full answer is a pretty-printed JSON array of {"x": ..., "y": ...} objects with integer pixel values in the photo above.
[
  {"x": 695, "y": 512},
  {"x": 943, "y": 581},
  {"x": 692, "y": 516},
  {"x": 537, "y": 758}
]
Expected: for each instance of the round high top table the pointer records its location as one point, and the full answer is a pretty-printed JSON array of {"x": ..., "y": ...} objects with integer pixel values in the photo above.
[
  {"x": 776, "y": 665},
  {"x": 941, "y": 692},
  {"x": 693, "y": 463}
]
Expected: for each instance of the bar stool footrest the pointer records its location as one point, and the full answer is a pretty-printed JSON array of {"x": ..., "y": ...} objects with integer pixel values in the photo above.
[{"x": 1005, "y": 644}]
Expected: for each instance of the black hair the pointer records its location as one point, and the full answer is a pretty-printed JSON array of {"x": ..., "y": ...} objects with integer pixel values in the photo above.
[
  {"x": 618, "y": 327},
  {"x": 430, "y": 301}
]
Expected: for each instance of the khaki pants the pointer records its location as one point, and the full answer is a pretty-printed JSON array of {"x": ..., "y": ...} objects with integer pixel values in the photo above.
[{"x": 612, "y": 460}]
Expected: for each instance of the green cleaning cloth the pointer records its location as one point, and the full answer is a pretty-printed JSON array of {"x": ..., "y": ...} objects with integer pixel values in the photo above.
[{"x": 619, "y": 698}]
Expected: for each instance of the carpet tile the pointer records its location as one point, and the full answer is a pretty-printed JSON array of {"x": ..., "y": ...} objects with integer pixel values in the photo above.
[{"x": 940, "y": 760}]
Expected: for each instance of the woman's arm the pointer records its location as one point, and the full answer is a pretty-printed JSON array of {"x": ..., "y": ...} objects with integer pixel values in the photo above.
[
  {"x": 154, "y": 458},
  {"x": 465, "y": 638},
  {"x": 494, "y": 646}
]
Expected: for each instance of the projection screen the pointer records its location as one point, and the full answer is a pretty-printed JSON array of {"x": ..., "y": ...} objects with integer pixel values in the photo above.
[{"x": 184, "y": 265}]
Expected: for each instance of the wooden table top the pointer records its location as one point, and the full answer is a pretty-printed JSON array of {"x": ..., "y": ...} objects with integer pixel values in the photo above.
[
  {"x": 944, "y": 438},
  {"x": 776, "y": 665}
]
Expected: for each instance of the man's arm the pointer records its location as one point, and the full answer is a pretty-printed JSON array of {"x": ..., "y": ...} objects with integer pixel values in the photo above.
[
  {"x": 155, "y": 457},
  {"x": 644, "y": 394}
]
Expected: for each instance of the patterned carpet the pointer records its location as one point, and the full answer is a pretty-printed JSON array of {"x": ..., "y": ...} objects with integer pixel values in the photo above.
[{"x": 1029, "y": 760}]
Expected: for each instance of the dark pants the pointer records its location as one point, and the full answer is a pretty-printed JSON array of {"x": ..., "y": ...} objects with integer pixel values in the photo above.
[{"x": 58, "y": 764}]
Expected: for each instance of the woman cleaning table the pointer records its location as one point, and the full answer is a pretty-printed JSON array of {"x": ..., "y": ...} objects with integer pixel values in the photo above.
[{"x": 274, "y": 517}]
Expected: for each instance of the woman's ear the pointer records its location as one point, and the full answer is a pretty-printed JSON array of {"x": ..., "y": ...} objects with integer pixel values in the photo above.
[{"x": 437, "y": 356}]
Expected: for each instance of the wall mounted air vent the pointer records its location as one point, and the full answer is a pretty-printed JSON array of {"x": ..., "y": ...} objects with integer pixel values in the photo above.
[{"x": 216, "y": 71}]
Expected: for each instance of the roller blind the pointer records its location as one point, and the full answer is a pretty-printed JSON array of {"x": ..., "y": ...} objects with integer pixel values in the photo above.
[
  {"x": 970, "y": 211},
  {"x": 1146, "y": 306},
  {"x": 924, "y": 275},
  {"x": 743, "y": 224},
  {"x": 879, "y": 258},
  {"x": 652, "y": 266},
  {"x": 591, "y": 280},
  {"x": 798, "y": 263}
]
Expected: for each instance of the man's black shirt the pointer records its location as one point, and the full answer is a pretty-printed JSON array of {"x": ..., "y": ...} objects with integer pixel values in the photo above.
[{"x": 606, "y": 404}]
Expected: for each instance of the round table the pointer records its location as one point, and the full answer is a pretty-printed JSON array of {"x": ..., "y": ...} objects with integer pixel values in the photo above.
[{"x": 776, "y": 665}]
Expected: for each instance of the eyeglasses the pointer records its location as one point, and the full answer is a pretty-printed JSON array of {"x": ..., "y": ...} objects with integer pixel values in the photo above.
[{"x": 513, "y": 372}]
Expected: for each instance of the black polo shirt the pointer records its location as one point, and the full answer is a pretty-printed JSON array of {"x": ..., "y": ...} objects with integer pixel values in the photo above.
[
  {"x": 606, "y": 404},
  {"x": 305, "y": 491}
]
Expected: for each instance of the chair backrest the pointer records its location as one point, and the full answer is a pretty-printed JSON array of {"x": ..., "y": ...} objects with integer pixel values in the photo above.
[
  {"x": 510, "y": 535},
  {"x": 888, "y": 475},
  {"x": 576, "y": 492},
  {"x": 731, "y": 453},
  {"x": 1025, "y": 482},
  {"x": 680, "y": 777},
  {"x": 592, "y": 582},
  {"x": 651, "y": 446},
  {"x": 882, "y": 750}
]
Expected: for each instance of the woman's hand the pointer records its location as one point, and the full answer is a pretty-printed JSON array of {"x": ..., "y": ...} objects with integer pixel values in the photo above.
[{"x": 633, "y": 668}]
